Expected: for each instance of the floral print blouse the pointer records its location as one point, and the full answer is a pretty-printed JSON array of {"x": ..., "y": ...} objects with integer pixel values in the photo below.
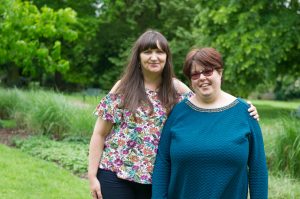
[{"x": 131, "y": 146}]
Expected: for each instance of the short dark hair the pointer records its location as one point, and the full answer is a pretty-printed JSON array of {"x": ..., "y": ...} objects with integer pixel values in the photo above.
[{"x": 206, "y": 57}]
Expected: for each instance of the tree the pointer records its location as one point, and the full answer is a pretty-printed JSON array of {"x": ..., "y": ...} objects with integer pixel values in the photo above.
[
  {"x": 31, "y": 39},
  {"x": 121, "y": 22},
  {"x": 82, "y": 54},
  {"x": 105, "y": 36},
  {"x": 259, "y": 40}
]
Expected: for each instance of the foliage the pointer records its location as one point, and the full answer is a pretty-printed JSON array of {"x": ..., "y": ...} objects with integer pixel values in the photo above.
[
  {"x": 287, "y": 88},
  {"x": 8, "y": 102},
  {"x": 283, "y": 187},
  {"x": 7, "y": 124},
  {"x": 274, "y": 117},
  {"x": 287, "y": 152},
  {"x": 69, "y": 155},
  {"x": 260, "y": 40},
  {"x": 85, "y": 62},
  {"x": 71, "y": 152},
  {"x": 47, "y": 113},
  {"x": 121, "y": 23},
  {"x": 83, "y": 8},
  {"x": 31, "y": 39},
  {"x": 23, "y": 176}
]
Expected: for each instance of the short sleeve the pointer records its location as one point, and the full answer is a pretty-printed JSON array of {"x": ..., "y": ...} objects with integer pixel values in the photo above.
[
  {"x": 185, "y": 96},
  {"x": 108, "y": 108}
]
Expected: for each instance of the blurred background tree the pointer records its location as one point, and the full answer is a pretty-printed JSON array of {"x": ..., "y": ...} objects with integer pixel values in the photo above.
[
  {"x": 260, "y": 41},
  {"x": 31, "y": 41},
  {"x": 72, "y": 45}
]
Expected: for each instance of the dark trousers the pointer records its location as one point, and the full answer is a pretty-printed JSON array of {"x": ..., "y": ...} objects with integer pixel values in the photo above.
[{"x": 113, "y": 187}]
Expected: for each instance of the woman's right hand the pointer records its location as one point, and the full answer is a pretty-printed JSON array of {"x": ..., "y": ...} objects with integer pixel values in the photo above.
[{"x": 95, "y": 188}]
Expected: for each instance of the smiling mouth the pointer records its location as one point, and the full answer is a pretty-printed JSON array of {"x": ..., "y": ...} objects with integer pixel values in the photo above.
[{"x": 204, "y": 85}]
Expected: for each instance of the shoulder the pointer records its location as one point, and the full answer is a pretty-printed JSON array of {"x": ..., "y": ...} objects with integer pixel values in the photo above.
[
  {"x": 178, "y": 110},
  {"x": 180, "y": 87},
  {"x": 243, "y": 104},
  {"x": 243, "y": 108},
  {"x": 111, "y": 99},
  {"x": 115, "y": 87},
  {"x": 180, "y": 107}
]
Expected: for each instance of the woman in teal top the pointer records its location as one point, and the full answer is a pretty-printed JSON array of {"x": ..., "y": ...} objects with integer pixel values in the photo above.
[{"x": 210, "y": 147}]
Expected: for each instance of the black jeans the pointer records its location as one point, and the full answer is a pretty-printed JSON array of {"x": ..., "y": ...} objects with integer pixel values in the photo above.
[{"x": 113, "y": 187}]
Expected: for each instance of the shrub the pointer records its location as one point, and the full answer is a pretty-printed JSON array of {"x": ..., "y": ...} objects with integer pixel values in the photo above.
[{"x": 69, "y": 155}]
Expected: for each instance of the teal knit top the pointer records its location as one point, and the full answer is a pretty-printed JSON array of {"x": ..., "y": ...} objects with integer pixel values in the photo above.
[{"x": 210, "y": 153}]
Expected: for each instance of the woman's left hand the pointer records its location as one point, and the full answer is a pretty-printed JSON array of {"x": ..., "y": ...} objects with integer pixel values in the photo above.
[{"x": 253, "y": 111}]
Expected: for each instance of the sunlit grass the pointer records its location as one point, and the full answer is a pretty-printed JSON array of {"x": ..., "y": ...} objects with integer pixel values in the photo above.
[{"x": 26, "y": 177}]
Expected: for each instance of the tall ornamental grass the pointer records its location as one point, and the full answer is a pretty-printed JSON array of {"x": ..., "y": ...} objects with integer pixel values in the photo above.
[
  {"x": 46, "y": 113},
  {"x": 9, "y": 101},
  {"x": 285, "y": 156}
]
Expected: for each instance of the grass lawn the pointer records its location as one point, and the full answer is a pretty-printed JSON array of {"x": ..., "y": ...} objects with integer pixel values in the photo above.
[
  {"x": 23, "y": 176},
  {"x": 283, "y": 187},
  {"x": 272, "y": 111}
]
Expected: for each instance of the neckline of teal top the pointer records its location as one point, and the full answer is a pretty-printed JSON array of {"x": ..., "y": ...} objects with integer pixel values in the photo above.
[{"x": 196, "y": 108}]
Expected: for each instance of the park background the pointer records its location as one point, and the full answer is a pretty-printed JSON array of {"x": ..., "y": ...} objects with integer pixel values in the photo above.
[{"x": 59, "y": 57}]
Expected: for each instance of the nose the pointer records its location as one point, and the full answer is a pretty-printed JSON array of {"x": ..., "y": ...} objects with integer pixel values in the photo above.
[
  {"x": 201, "y": 76},
  {"x": 153, "y": 56}
]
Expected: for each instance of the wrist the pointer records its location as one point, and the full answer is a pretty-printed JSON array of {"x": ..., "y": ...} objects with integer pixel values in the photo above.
[{"x": 92, "y": 175}]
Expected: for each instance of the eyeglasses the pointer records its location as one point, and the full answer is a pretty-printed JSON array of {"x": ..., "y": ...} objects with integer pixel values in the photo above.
[{"x": 206, "y": 72}]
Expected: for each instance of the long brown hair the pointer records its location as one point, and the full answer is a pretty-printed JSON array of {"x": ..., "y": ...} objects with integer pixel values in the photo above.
[{"x": 132, "y": 82}]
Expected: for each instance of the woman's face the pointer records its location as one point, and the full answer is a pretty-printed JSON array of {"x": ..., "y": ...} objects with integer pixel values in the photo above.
[
  {"x": 206, "y": 82},
  {"x": 153, "y": 60}
]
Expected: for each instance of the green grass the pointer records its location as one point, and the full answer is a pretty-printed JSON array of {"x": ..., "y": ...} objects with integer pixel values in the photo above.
[
  {"x": 283, "y": 187},
  {"x": 284, "y": 155},
  {"x": 8, "y": 123},
  {"x": 47, "y": 113},
  {"x": 70, "y": 117},
  {"x": 23, "y": 176},
  {"x": 278, "y": 104},
  {"x": 275, "y": 118},
  {"x": 272, "y": 111}
]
